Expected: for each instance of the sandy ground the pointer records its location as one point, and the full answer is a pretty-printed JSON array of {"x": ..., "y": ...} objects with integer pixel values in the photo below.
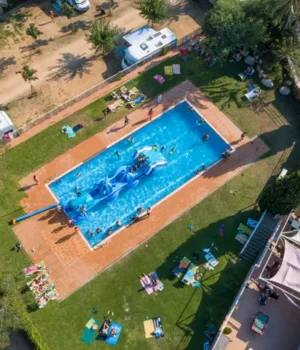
[{"x": 66, "y": 64}]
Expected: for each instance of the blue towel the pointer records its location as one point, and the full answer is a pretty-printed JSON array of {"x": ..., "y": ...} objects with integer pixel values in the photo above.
[
  {"x": 113, "y": 339},
  {"x": 68, "y": 131}
]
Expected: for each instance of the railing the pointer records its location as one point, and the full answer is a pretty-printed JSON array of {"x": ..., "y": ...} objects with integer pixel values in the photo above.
[{"x": 102, "y": 84}]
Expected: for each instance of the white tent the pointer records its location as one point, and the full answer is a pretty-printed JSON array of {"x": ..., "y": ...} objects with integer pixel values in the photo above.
[{"x": 289, "y": 272}]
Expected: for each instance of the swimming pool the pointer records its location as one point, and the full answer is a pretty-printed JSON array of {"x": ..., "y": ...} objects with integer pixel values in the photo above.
[{"x": 179, "y": 128}]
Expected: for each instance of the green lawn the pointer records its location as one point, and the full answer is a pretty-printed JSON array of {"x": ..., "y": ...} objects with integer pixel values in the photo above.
[{"x": 184, "y": 311}]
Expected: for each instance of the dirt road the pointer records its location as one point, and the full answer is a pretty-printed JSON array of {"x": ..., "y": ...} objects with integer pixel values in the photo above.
[{"x": 68, "y": 65}]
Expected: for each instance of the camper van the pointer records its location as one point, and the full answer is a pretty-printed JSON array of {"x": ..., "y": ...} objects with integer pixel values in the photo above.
[
  {"x": 144, "y": 42},
  {"x": 6, "y": 125}
]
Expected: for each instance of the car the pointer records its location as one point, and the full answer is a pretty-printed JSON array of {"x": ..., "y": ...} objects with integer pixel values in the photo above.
[{"x": 80, "y": 5}]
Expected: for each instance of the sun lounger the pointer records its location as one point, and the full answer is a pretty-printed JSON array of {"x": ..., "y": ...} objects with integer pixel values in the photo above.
[
  {"x": 126, "y": 97},
  {"x": 39, "y": 291},
  {"x": 115, "y": 95},
  {"x": 168, "y": 70},
  {"x": 244, "y": 229},
  {"x": 182, "y": 267},
  {"x": 149, "y": 285},
  {"x": 28, "y": 271},
  {"x": 113, "y": 339},
  {"x": 176, "y": 68},
  {"x": 112, "y": 107},
  {"x": 211, "y": 259},
  {"x": 131, "y": 104},
  {"x": 189, "y": 276},
  {"x": 119, "y": 103},
  {"x": 159, "y": 78},
  {"x": 90, "y": 331},
  {"x": 252, "y": 94},
  {"x": 134, "y": 91},
  {"x": 241, "y": 237},
  {"x": 123, "y": 89},
  {"x": 282, "y": 173}
]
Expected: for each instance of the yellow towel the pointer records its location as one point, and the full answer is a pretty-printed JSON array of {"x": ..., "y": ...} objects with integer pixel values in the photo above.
[
  {"x": 168, "y": 70},
  {"x": 90, "y": 323},
  {"x": 149, "y": 328}
]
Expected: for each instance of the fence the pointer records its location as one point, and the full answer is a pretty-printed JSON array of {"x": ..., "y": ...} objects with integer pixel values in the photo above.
[{"x": 102, "y": 84}]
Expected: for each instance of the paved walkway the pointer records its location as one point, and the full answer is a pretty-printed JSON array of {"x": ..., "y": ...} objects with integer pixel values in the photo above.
[
  {"x": 71, "y": 262},
  {"x": 86, "y": 101}
]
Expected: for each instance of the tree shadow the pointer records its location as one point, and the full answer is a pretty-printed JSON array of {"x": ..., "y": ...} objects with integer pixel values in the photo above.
[
  {"x": 75, "y": 26},
  {"x": 113, "y": 65},
  {"x": 36, "y": 45},
  {"x": 5, "y": 62},
  {"x": 210, "y": 302},
  {"x": 71, "y": 66}
]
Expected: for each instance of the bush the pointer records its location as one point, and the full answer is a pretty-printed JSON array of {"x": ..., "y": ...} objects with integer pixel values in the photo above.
[
  {"x": 283, "y": 195},
  {"x": 227, "y": 330}
]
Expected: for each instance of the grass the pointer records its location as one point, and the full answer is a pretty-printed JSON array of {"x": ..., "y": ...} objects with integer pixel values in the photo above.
[{"x": 185, "y": 311}]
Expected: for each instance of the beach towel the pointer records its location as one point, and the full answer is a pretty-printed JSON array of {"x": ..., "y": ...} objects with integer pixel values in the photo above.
[
  {"x": 78, "y": 127},
  {"x": 182, "y": 267},
  {"x": 113, "y": 339},
  {"x": 159, "y": 78},
  {"x": 176, "y": 68},
  {"x": 89, "y": 332},
  {"x": 28, "y": 271},
  {"x": 188, "y": 277},
  {"x": 148, "y": 283},
  {"x": 149, "y": 329},
  {"x": 158, "y": 331},
  {"x": 112, "y": 107},
  {"x": 244, "y": 229},
  {"x": 221, "y": 230},
  {"x": 252, "y": 94},
  {"x": 211, "y": 259},
  {"x": 138, "y": 100},
  {"x": 241, "y": 237},
  {"x": 114, "y": 95},
  {"x": 68, "y": 131},
  {"x": 168, "y": 70}
]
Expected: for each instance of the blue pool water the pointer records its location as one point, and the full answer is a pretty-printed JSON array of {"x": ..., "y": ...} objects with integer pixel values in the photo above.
[{"x": 176, "y": 128}]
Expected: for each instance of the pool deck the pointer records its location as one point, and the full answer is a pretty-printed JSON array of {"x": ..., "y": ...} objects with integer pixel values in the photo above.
[{"x": 71, "y": 262}]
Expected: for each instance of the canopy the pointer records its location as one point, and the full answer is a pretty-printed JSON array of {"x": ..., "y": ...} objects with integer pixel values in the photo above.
[
  {"x": 295, "y": 238},
  {"x": 289, "y": 272}
]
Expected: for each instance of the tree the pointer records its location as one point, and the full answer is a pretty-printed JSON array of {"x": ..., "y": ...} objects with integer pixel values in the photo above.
[
  {"x": 283, "y": 195},
  {"x": 69, "y": 12},
  {"x": 29, "y": 74},
  {"x": 227, "y": 24},
  {"x": 33, "y": 31},
  {"x": 102, "y": 36},
  {"x": 153, "y": 11},
  {"x": 286, "y": 14}
]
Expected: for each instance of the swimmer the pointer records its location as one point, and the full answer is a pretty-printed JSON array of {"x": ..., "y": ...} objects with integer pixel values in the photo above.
[
  {"x": 90, "y": 232},
  {"x": 83, "y": 210},
  {"x": 135, "y": 218},
  {"x": 98, "y": 230},
  {"x": 130, "y": 139},
  {"x": 135, "y": 167},
  {"x": 162, "y": 148},
  {"x": 118, "y": 154},
  {"x": 198, "y": 172},
  {"x": 199, "y": 122},
  {"x": 78, "y": 174},
  {"x": 205, "y": 137},
  {"x": 189, "y": 109},
  {"x": 140, "y": 209},
  {"x": 119, "y": 223},
  {"x": 149, "y": 210},
  {"x": 203, "y": 167},
  {"x": 172, "y": 150},
  {"x": 58, "y": 208},
  {"x": 110, "y": 231},
  {"x": 154, "y": 147},
  {"x": 77, "y": 191}
]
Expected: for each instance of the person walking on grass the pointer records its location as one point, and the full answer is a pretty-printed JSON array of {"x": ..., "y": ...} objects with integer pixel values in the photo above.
[
  {"x": 126, "y": 120},
  {"x": 52, "y": 15},
  {"x": 18, "y": 246}
]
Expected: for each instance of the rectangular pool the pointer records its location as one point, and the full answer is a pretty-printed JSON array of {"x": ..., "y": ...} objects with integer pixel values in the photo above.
[{"x": 180, "y": 128}]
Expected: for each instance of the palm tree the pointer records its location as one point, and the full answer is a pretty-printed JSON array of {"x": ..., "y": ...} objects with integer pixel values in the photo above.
[
  {"x": 29, "y": 74},
  {"x": 286, "y": 13}
]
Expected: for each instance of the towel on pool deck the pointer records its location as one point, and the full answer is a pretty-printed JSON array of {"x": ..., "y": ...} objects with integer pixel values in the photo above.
[
  {"x": 182, "y": 267},
  {"x": 113, "y": 339},
  {"x": 176, "y": 68},
  {"x": 89, "y": 333},
  {"x": 168, "y": 70}
]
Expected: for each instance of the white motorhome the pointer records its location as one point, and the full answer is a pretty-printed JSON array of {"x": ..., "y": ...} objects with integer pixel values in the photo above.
[
  {"x": 6, "y": 125},
  {"x": 145, "y": 41}
]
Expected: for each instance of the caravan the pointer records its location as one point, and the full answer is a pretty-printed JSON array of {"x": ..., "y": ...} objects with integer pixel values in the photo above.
[{"x": 144, "y": 42}]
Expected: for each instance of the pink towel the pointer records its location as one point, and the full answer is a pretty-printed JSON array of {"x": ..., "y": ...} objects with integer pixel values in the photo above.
[
  {"x": 159, "y": 78},
  {"x": 30, "y": 270},
  {"x": 112, "y": 107}
]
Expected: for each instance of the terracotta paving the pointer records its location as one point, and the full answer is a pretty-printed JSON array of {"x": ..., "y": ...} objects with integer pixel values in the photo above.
[{"x": 68, "y": 257}]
